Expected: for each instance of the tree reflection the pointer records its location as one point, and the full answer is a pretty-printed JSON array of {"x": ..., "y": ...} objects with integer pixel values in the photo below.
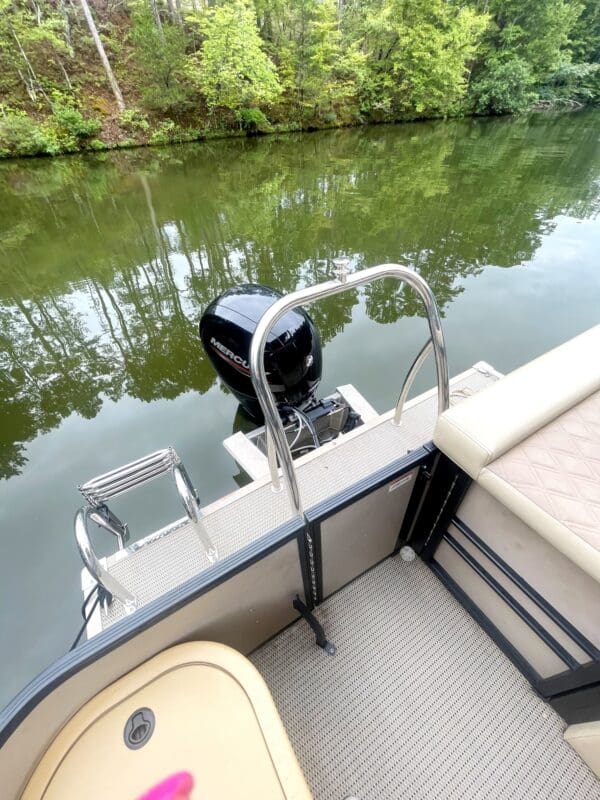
[{"x": 107, "y": 262}]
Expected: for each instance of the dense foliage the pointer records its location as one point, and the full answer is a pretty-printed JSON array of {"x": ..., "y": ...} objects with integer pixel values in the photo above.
[{"x": 86, "y": 75}]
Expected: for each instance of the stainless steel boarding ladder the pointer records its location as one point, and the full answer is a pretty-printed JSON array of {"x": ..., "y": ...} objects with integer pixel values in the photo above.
[
  {"x": 116, "y": 482},
  {"x": 278, "y": 450}
]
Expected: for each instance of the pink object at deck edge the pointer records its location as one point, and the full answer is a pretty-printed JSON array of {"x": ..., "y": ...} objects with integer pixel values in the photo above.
[{"x": 175, "y": 787}]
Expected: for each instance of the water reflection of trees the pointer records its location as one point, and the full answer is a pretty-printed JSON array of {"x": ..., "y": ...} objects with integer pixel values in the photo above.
[{"x": 106, "y": 262}]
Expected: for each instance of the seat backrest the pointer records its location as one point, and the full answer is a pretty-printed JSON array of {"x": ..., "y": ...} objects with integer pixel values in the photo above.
[{"x": 483, "y": 427}]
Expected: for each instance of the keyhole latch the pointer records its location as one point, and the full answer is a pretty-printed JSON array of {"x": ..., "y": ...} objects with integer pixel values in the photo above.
[{"x": 139, "y": 728}]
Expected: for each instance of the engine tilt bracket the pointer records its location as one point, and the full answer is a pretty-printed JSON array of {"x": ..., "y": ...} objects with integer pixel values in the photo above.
[{"x": 321, "y": 639}]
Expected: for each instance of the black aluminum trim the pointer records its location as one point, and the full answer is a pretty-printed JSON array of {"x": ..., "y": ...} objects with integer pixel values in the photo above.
[
  {"x": 565, "y": 682},
  {"x": 415, "y": 503},
  {"x": 445, "y": 492},
  {"x": 338, "y": 502},
  {"x": 485, "y": 622},
  {"x": 305, "y": 567},
  {"x": 317, "y": 537},
  {"x": 581, "y": 706},
  {"x": 556, "y": 617},
  {"x": 531, "y": 622},
  {"x": 126, "y": 629}
]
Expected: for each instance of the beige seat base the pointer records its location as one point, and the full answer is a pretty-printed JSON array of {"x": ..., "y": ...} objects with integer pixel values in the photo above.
[{"x": 213, "y": 717}]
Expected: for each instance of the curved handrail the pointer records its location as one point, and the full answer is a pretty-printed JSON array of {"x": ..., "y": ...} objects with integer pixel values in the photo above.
[
  {"x": 301, "y": 297},
  {"x": 410, "y": 377},
  {"x": 192, "y": 508},
  {"x": 94, "y": 565}
]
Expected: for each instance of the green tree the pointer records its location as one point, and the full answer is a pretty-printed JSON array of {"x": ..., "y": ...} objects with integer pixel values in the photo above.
[
  {"x": 32, "y": 52},
  {"x": 527, "y": 42},
  {"x": 572, "y": 85},
  {"x": 585, "y": 36},
  {"x": 234, "y": 71},
  {"x": 431, "y": 60},
  {"x": 321, "y": 73},
  {"x": 585, "y": 47},
  {"x": 506, "y": 86},
  {"x": 161, "y": 54},
  {"x": 418, "y": 53}
]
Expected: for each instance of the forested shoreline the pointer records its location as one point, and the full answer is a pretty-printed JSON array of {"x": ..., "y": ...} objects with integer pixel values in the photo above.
[{"x": 80, "y": 75}]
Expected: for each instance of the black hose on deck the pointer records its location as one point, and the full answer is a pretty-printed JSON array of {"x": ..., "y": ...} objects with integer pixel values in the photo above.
[{"x": 86, "y": 616}]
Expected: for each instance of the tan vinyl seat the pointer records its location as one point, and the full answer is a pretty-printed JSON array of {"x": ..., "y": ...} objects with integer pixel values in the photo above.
[
  {"x": 209, "y": 712},
  {"x": 532, "y": 440},
  {"x": 584, "y": 738}
]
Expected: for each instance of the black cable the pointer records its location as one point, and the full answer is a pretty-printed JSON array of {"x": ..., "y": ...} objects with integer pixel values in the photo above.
[
  {"x": 86, "y": 616},
  {"x": 87, "y": 600}
]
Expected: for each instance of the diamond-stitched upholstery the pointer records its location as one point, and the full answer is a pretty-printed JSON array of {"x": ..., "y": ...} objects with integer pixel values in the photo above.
[
  {"x": 532, "y": 440},
  {"x": 486, "y": 426},
  {"x": 558, "y": 469}
]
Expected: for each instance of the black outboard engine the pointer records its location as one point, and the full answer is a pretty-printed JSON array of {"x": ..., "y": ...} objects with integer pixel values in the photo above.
[{"x": 293, "y": 359}]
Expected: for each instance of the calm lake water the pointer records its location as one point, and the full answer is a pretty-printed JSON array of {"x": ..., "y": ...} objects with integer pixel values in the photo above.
[{"x": 106, "y": 263}]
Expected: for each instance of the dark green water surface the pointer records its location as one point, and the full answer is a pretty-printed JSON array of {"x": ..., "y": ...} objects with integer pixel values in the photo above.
[{"x": 106, "y": 263}]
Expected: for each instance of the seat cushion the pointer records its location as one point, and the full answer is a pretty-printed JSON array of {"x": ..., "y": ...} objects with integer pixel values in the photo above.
[
  {"x": 204, "y": 709},
  {"x": 584, "y": 738},
  {"x": 532, "y": 440},
  {"x": 551, "y": 481},
  {"x": 483, "y": 427}
]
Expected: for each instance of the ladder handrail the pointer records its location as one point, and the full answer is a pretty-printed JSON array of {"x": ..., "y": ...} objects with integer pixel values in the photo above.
[
  {"x": 118, "y": 481},
  {"x": 95, "y": 567},
  {"x": 273, "y": 314}
]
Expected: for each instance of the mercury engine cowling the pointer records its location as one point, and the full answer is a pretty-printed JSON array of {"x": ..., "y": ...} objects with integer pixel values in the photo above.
[{"x": 293, "y": 359}]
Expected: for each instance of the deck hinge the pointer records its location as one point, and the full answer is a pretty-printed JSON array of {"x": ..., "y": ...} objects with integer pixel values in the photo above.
[{"x": 320, "y": 638}]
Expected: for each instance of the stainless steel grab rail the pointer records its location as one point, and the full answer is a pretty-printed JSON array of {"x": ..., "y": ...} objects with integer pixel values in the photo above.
[
  {"x": 121, "y": 480},
  {"x": 301, "y": 297},
  {"x": 93, "y": 564},
  {"x": 409, "y": 380}
]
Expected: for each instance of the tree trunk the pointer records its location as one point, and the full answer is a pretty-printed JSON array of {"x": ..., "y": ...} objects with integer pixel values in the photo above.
[
  {"x": 37, "y": 11},
  {"x": 33, "y": 85},
  {"x": 103, "y": 57},
  {"x": 173, "y": 12},
  {"x": 65, "y": 74},
  {"x": 179, "y": 12},
  {"x": 156, "y": 15},
  {"x": 66, "y": 25},
  {"x": 28, "y": 86}
]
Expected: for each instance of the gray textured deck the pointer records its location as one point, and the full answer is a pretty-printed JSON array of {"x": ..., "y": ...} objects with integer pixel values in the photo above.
[{"x": 418, "y": 702}]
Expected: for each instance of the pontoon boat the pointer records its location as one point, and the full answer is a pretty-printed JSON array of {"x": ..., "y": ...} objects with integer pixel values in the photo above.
[{"x": 397, "y": 605}]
